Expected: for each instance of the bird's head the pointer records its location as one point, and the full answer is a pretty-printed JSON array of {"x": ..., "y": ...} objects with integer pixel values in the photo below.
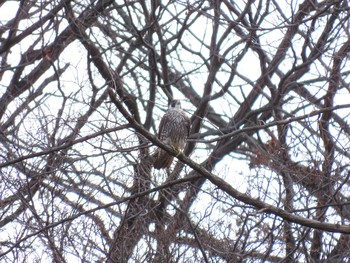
[{"x": 175, "y": 104}]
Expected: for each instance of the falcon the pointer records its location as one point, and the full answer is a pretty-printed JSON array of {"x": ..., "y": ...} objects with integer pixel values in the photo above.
[{"x": 173, "y": 130}]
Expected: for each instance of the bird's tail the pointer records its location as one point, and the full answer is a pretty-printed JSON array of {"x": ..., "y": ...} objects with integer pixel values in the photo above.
[{"x": 163, "y": 160}]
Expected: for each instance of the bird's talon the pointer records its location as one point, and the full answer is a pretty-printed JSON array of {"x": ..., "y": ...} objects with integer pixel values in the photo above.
[{"x": 179, "y": 152}]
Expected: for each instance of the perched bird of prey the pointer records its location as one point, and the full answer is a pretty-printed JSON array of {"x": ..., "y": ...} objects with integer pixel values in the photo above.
[{"x": 173, "y": 130}]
